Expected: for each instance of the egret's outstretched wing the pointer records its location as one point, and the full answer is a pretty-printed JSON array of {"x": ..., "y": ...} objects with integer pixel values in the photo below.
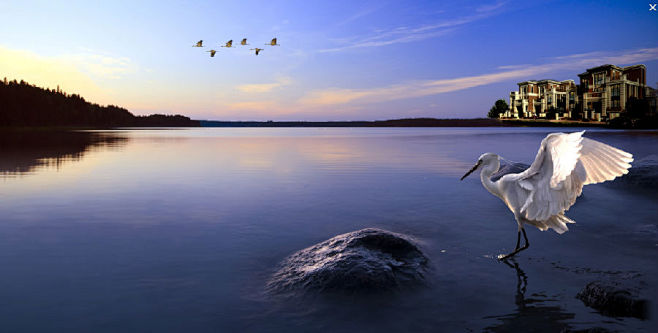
[
  {"x": 557, "y": 157},
  {"x": 564, "y": 163},
  {"x": 603, "y": 162}
]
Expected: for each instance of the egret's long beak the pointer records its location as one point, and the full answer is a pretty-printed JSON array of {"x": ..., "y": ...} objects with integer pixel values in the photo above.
[{"x": 472, "y": 169}]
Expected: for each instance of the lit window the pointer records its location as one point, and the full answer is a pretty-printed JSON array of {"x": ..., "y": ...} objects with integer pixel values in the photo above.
[{"x": 599, "y": 78}]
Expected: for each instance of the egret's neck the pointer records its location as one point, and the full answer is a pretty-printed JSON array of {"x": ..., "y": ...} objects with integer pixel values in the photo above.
[{"x": 485, "y": 177}]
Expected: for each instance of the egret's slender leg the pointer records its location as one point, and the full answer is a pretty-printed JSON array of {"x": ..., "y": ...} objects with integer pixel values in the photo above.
[{"x": 517, "y": 249}]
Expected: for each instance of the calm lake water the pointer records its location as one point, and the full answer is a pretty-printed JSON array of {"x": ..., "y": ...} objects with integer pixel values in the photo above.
[{"x": 179, "y": 230}]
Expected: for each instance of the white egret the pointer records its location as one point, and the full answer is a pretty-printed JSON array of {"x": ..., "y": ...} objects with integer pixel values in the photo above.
[
  {"x": 541, "y": 194},
  {"x": 198, "y": 44},
  {"x": 273, "y": 42},
  {"x": 244, "y": 41},
  {"x": 212, "y": 52},
  {"x": 257, "y": 50},
  {"x": 228, "y": 44}
]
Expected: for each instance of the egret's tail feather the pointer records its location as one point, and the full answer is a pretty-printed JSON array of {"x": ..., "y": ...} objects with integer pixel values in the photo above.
[{"x": 558, "y": 223}]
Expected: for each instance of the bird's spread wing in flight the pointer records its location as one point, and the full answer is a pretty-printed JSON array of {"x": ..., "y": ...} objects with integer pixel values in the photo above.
[{"x": 564, "y": 163}]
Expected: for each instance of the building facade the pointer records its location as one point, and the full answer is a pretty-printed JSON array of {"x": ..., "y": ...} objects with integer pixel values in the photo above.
[
  {"x": 606, "y": 89},
  {"x": 535, "y": 98},
  {"x": 602, "y": 94}
]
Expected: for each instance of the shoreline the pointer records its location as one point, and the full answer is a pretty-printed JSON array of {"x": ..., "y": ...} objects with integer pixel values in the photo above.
[{"x": 410, "y": 122}]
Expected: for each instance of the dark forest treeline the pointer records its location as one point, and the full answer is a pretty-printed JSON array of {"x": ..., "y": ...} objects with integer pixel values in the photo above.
[{"x": 23, "y": 104}]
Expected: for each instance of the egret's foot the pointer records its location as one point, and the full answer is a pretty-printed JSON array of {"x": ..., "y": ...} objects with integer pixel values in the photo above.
[
  {"x": 517, "y": 249},
  {"x": 513, "y": 253},
  {"x": 506, "y": 256}
]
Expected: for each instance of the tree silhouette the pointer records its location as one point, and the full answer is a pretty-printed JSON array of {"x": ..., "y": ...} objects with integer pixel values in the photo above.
[
  {"x": 499, "y": 107},
  {"x": 23, "y": 104}
]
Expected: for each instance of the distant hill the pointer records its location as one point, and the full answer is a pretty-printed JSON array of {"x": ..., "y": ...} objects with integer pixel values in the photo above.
[{"x": 23, "y": 104}]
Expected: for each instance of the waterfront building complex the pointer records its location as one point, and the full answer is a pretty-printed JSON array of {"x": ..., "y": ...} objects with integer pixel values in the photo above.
[{"x": 602, "y": 94}]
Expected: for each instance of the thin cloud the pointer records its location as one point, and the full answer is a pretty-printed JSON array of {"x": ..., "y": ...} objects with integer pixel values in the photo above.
[
  {"x": 49, "y": 72},
  {"x": 417, "y": 33},
  {"x": 490, "y": 8},
  {"x": 336, "y": 96},
  {"x": 100, "y": 65},
  {"x": 513, "y": 66},
  {"x": 347, "y": 101},
  {"x": 264, "y": 87},
  {"x": 359, "y": 14},
  {"x": 252, "y": 105}
]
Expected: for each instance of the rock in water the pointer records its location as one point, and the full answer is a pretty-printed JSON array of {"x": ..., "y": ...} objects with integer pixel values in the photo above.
[
  {"x": 363, "y": 260},
  {"x": 612, "y": 299}
]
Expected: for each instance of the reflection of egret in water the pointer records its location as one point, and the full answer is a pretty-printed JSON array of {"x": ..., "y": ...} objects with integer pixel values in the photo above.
[
  {"x": 531, "y": 315},
  {"x": 521, "y": 283}
]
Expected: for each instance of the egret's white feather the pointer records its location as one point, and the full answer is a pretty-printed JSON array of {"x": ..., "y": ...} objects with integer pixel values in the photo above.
[
  {"x": 563, "y": 165},
  {"x": 541, "y": 194},
  {"x": 606, "y": 162}
]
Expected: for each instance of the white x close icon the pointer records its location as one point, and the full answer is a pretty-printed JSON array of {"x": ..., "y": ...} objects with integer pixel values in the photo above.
[{"x": 652, "y": 6}]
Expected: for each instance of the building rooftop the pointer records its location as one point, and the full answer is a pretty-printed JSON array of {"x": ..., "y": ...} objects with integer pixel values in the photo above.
[
  {"x": 601, "y": 68},
  {"x": 609, "y": 66},
  {"x": 543, "y": 81},
  {"x": 635, "y": 66}
]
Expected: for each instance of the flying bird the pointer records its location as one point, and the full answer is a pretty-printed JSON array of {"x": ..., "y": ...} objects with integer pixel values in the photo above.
[
  {"x": 228, "y": 44},
  {"x": 257, "y": 50},
  {"x": 198, "y": 44},
  {"x": 244, "y": 42},
  {"x": 212, "y": 52},
  {"x": 273, "y": 42},
  {"x": 541, "y": 194}
]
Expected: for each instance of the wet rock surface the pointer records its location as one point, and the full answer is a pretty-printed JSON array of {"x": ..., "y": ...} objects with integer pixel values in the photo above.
[
  {"x": 614, "y": 299},
  {"x": 360, "y": 261}
]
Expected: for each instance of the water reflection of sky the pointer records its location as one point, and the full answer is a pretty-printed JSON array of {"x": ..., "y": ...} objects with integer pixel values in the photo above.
[{"x": 179, "y": 229}]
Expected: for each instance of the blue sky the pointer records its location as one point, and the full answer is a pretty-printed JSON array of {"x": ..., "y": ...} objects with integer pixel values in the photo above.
[{"x": 338, "y": 60}]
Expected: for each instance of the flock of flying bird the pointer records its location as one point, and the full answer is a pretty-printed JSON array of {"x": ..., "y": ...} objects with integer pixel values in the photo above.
[{"x": 229, "y": 44}]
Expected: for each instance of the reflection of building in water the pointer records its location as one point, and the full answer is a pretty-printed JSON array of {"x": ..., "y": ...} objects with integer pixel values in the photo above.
[
  {"x": 603, "y": 94},
  {"x": 23, "y": 151}
]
